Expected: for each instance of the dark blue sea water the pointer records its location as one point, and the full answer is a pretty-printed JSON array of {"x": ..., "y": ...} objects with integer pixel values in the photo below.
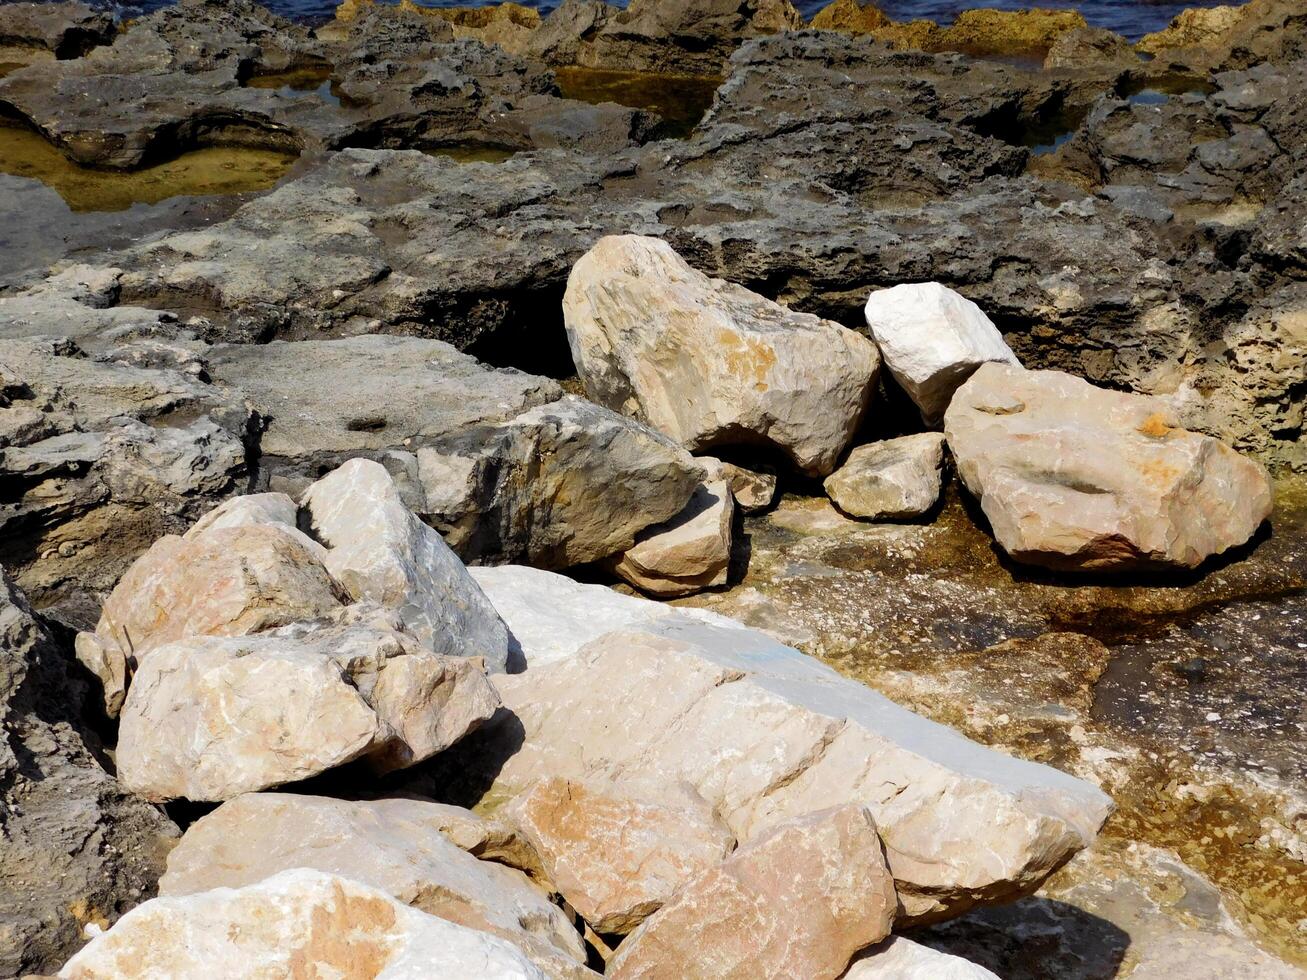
[{"x": 1131, "y": 18}]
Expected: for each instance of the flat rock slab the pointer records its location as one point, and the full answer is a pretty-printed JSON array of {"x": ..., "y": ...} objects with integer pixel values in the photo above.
[
  {"x": 709, "y": 362},
  {"x": 398, "y": 846},
  {"x": 765, "y": 734},
  {"x": 799, "y": 900},
  {"x": 299, "y": 921},
  {"x": 897, "y": 478},
  {"x": 1081, "y": 478}
]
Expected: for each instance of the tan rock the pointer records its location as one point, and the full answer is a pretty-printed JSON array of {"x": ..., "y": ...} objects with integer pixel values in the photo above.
[
  {"x": 1082, "y": 478},
  {"x": 398, "y": 846},
  {"x": 709, "y": 362},
  {"x": 209, "y": 718},
  {"x": 798, "y": 901},
  {"x": 1194, "y": 27},
  {"x": 380, "y": 551},
  {"x": 764, "y": 734},
  {"x": 299, "y": 923},
  {"x": 614, "y": 857},
  {"x": 849, "y": 16},
  {"x": 902, "y": 959},
  {"x": 753, "y": 489},
  {"x": 897, "y": 478},
  {"x": 484, "y": 837},
  {"x": 984, "y": 30},
  {"x": 226, "y": 581},
  {"x": 688, "y": 553}
]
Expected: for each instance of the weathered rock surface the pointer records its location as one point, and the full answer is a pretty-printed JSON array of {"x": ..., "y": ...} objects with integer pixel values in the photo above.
[
  {"x": 686, "y": 554},
  {"x": 710, "y": 363},
  {"x": 397, "y": 846},
  {"x": 615, "y": 857},
  {"x": 1090, "y": 47},
  {"x": 896, "y": 478},
  {"x": 560, "y": 484},
  {"x": 850, "y": 16},
  {"x": 764, "y": 734},
  {"x": 209, "y": 718},
  {"x": 984, "y": 30},
  {"x": 381, "y": 552},
  {"x": 1078, "y": 477},
  {"x": 77, "y": 848},
  {"x": 66, "y": 30},
  {"x": 1231, "y": 36},
  {"x": 297, "y": 921},
  {"x": 224, "y": 581},
  {"x": 799, "y": 900},
  {"x": 753, "y": 489},
  {"x": 931, "y": 339},
  {"x": 902, "y": 959}
]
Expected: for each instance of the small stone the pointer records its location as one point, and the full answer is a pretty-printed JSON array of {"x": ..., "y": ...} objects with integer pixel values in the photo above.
[
  {"x": 898, "y": 478},
  {"x": 753, "y": 489},
  {"x": 686, "y": 554}
]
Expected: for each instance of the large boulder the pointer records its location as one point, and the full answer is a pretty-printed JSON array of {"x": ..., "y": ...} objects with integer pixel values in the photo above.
[
  {"x": 686, "y": 554},
  {"x": 398, "y": 846},
  {"x": 764, "y": 734},
  {"x": 897, "y": 478},
  {"x": 617, "y": 857},
  {"x": 297, "y": 923},
  {"x": 709, "y": 362},
  {"x": 226, "y": 580},
  {"x": 78, "y": 849},
  {"x": 381, "y": 552},
  {"x": 797, "y": 901},
  {"x": 209, "y": 718},
  {"x": 931, "y": 339},
  {"x": 1078, "y": 477}
]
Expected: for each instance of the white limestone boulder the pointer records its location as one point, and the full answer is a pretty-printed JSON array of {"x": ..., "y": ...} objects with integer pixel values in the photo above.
[
  {"x": 897, "y": 478},
  {"x": 797, "y": 901},
  {"x": 209, "y": 718},
  {"x": 709, "y": 362},
  {"x": 300, "y": 923},
  {"x": 380, "y": 551},
  {"x": 931, "y": 339},
  {"x": 902, "y": 959},
  {"x": 396, "y": 845},
  {"x": 765, "y": 734},
  {"x": 1077, "y": 477},
  {"x": 686, "y": 554}
]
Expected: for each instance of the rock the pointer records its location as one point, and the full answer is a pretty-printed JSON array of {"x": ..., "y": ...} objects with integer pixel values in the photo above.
[
  {"x": 558, "y": 485},
  {"x": 902, "y": 959},
  {"x": 710, "y": 363},
  {"x": 764, "y": 734},
  {"x": 397, "y": 846},
  {"x": 931, "y": 339},
  {"x": 897, "y": 478},
  {"x": 381, "y": 552},
  {"x": 1237, "y": 36},
  {"x": 483, "y": 837},
  {"x": 66, "y": 30},
  {"x": 299, "y": 920},
  {"x": 272, "y": 509},
  {"x": 1090, "y": 47},
  {"x": 686, "y": 554},
  {"x": 850, "y": 16},
  {"x": 226, "y": 581},
  {"x": 753, "y": 489},
  {"x": 209, "y": 718},
  {"x": 1008, "y": 32},
  {"x": 563, "y": 38},
  {"x": 1081, "y": 478},
  {"x": 616, "y": 859},
  {"x": 798, "y": 901},
  {"x": 77, "y": 848}
]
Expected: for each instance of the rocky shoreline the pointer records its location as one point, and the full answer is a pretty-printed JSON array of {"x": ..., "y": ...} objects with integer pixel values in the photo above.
[{"x": 341, "y": 513}]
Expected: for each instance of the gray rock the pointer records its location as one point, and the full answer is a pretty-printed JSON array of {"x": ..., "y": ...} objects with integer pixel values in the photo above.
[
  {"x": 66, "y": 30},
  {"x": 897, "y": 478}
]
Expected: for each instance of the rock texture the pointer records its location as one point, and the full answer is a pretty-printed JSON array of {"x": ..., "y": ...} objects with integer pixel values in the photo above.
[
  {"x": 381, "y": 552},
  {"x": 850, "y": 16},
  {"x": 1078, "y": 477},
  {"x": 299, "y": 921},
  {"x": 710, "y": 363},
  {"x": 397, "y": 846},
  {"x": 764, "y": 734},
  {"x": 616, "y": 858},
  {"x": 66, "y": 30},
  {"x": 897, "y": 478},
  {"x": 753, "y": 489},
  {"x": 77, "y": 848},
  {"x": 902, "y": 959},
  {"x": 686, "y": 554},
  {"x": 798, "y": 901},
  {"x": 931, "y": 339},
  {"x": 209, "y": 718}
]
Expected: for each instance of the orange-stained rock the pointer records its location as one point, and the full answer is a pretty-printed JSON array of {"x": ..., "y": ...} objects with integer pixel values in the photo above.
[{"x": 849, "y": 16}]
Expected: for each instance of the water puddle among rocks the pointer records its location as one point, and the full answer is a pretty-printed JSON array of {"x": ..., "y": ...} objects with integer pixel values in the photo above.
[
  {"x": 216, "y": 170},
  {"x": 1161, "y": 89},
  {"x": 681, "y": 100},
  {"x": 302, "y": 81},
  {"x": 472, "y": 153}
]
